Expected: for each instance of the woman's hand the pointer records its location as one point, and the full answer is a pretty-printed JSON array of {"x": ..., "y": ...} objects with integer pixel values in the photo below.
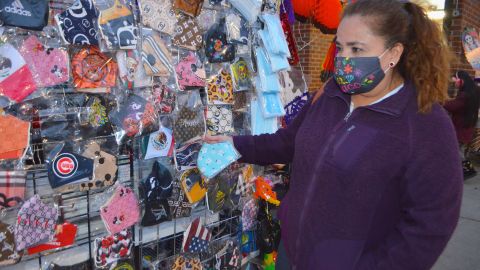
[{"x": 217, "y": 139}]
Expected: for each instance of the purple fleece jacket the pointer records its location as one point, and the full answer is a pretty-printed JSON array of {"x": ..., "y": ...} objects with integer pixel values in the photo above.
[{"x": 380, "y": 189}]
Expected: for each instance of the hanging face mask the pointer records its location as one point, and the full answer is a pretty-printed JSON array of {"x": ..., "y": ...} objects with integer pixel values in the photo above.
[
  {"x": 214, "y": 158},
  {"x": 241, "y": 75},
  {"x": 178, "y": 202},
  {"x": 131, "y": 71},
  {"x": 64, "y": 237},
  {"x": 186, "y": 156},
  {"x": 16, "y": 80},
  {"x": 77, "y": 23},
  {"x": 117, "y": 27},
  {"x": 155, "y": 190},
  {"x": 189, "y": 7},
  {"x": 188, "y": 125},
  {"x": 93, "y": 69},
  {"x": 8, "y": 253},
  {"x": 164, "y": 98},
  {"x": 261, "y": 124},
  {"x": 188, "y": 34},
  {"x": 250, "y": 9},
  {"x": 67, "y": 168},
  {"x": 196, "y": 238},
  {"x": 104, "y": 168},
  {"x": 48, "y": 65},
  {"x": 12, "y": 188},
  {"x": 249, "y": 215},
  {"x": 156, "y": 56},
  {"x": 219, "y": 119},
  {"x": 36, "y": 223},
  {"x": 158, "y": 144},
  {"x": 158, "y": 15},
  {"x": 14, "y": 137},
  {"x": 217, "y": 49},
  {"x": 219, "y": 194},
  {"x": 220, "y": 88},
  {"x": 186, "y": 263},
  {"x": 237, "y": 29},
  {"x": 358, "y": 75},
  {"x": 193, "y": 185},
  {"x": 268, "y": 80},
  {"x": 121, "y": 211},
  {"x": 112, "y": 248},
  {"x": 28, "y": 14},
  {"x": 190, "y": 72},
  {"x": 271, "y": 105}
]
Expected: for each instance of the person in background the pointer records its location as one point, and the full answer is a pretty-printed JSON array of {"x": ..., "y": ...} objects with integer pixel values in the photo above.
[
  {"x": 376, "y": 181},
  {"x": 464, "y": 112}
]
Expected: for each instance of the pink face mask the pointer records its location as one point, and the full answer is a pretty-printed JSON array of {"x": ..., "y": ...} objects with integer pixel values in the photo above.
[
  {"x": 49, "y": 66},
  {"x": 190, "y": 72},
  {"x": 16, "y": 81},
  {"x": 121, "y": 211}
]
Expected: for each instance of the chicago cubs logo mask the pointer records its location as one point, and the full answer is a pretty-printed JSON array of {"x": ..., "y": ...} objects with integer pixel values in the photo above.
[{"x": 66, "y": 168}]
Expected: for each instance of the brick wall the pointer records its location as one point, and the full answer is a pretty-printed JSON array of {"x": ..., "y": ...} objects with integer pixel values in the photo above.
[
  {"x": 313, "y": 54},
  {"x": 469, "y": 16}
]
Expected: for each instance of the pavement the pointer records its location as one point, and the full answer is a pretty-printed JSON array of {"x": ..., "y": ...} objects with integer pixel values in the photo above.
[{"x": 463, "y": 250}]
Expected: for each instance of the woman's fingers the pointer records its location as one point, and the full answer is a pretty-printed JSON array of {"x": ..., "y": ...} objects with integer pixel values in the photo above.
[{"x": 217, "y": 139}]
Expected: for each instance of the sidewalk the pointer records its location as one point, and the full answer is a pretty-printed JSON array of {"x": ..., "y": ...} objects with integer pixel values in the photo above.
[{"x": 463, "y": 250}]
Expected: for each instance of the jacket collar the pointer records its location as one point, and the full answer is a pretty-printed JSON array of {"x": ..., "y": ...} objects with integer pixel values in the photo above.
[{"x": 393, "y": 105}]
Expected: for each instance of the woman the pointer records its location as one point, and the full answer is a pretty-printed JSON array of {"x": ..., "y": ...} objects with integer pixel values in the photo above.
[
  {"x": 374, "y": 183},
  {"x": 464, "y": 112}
]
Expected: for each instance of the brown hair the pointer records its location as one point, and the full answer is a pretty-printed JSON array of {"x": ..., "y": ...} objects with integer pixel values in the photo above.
[{"x": 426, "y": 57}]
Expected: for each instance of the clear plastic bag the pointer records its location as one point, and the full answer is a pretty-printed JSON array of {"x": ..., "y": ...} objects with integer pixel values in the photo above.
[{"x": 189, "y": 117}]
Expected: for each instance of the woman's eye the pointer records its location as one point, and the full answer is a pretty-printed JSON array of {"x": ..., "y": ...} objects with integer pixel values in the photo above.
[{"x": 356, "y": 50}]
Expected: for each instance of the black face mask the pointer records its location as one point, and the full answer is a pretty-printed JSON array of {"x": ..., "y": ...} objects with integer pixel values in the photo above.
[{"x": 28, "y": 14}]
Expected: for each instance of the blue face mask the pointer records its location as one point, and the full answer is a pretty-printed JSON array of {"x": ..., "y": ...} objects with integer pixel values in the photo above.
[
  {"x": 77, "y": 23},
  {"x": 357, "y": 75},
  {"x": 261, "y": 124},
  {"x": 267, "y": 80}
]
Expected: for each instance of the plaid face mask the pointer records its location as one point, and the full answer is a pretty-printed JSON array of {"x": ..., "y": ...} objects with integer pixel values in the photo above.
[{"x": 12, "y": 188}]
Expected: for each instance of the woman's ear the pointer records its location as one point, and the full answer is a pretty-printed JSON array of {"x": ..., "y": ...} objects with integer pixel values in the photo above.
[{"x": 396, "y": 53}]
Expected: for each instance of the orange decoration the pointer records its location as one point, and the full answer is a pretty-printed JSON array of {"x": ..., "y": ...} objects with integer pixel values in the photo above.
[{"x": 325, "y": 13}]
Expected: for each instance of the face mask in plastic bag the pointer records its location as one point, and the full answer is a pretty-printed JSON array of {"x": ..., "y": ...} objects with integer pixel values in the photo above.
[
  {"x": 8, "y": 253},
  {"x": 278, "y": 62},
  {"x": 217, "y": 49},
  {"x": 12, "y": 188},
  {"x": 261, "y": 124},
  {"x": 219, "y": 119},
  {"x": 241, "y": 75},
  {"x": 36, "y": 223},
  {"x": 189, "y": 123},
  {"x": 271, "y": 105},
  {"x": 64, "y": 236},
  {"x": 188, "y": 34},
  {"x": 189, "y": 7},
  {"x": 190, "y": 72},
  {"x": 77, "y": 23},
  {"x": 112, "y": 248},
  {"x": 178, "y": 202},
  {"x": 294, "y": 107},
  {"x": 93, "y": 69},
  {"x": 219, "y": 194},
  {"x": 156, "y": 57},
  {"x": 228, "y": 257},
  {"x": 249, "y": 215},
  {"x": 14, "y": 137},
  {"x": 250, "y": 9},
  {"x": 243, "y": 187},
  {"x": 49, "y": 66},
  {"x": 184, "y": 263},
  {"x": 237, "y": 29},
  {"x": 158, "y": 144},
  {"x": 121, "y": 211},
  {"x": 104, "y": 168},
  {"x": 28, "y": 14},
  {"x": 206, "y": 18},
  {"x": 164, "y": 98},
  {"x": 67, "y": 168},
  {"x": 273, "y": 35},
  {"x": 95, "y": 120},
  {"x": 16, "y": 80},
  {"x": 193, "y": 185},
  {"x": 136, "y": 116},
  {"x": 214, "y": 158},
  {"x": 220, "y": 88},
  {"x": 186, "y": 156},
  {"x": 117, "y": 26},
  {"x": 196, "y": 238},
  {"x": 292, "y": 46},
  {"x": 158, "y": 15},
  {"x": 155, "y": 190},
  {"x": 131, "y": 71},
  {"x": 267, "y": 81}
]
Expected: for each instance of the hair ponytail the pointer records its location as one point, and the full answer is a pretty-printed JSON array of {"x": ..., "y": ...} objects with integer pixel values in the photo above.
[{"x": 426, "y": 57}]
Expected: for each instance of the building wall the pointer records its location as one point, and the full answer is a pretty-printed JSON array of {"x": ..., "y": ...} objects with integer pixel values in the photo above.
[{"x": 469, "y": 17}]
